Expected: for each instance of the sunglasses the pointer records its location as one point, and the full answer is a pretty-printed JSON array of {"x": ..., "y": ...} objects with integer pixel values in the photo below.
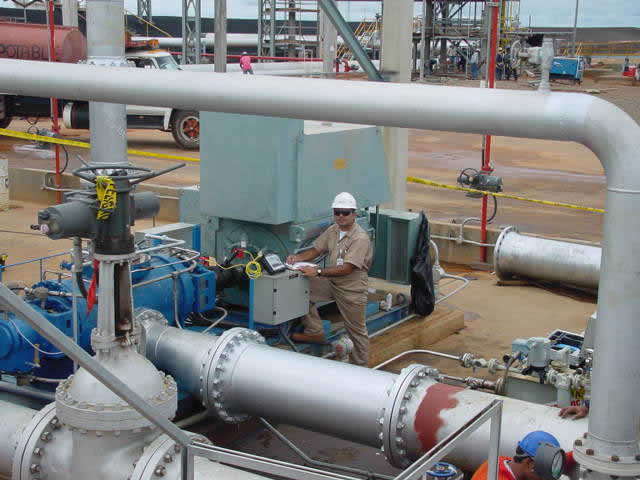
[{"x": 344, "y": 213}]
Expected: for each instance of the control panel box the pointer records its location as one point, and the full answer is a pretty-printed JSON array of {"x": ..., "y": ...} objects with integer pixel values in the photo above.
[{"x": 275, "y": 299}]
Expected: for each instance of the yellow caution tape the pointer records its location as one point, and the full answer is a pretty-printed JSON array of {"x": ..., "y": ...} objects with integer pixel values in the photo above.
[
  {"x": 73, "y": 143},
  {"x": 422, "y": 181},
  {"x": 106, "y": 191}
]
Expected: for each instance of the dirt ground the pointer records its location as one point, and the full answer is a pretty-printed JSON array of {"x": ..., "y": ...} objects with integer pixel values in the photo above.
[{"x": 557, "y": 171}]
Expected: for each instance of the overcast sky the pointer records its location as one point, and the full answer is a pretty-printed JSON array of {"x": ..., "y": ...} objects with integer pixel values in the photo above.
[{"x": 544, "y": 13}]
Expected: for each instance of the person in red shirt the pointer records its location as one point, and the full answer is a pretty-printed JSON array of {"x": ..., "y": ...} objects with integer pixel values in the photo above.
[
  {"x": 245, "y": 64},
  {"x": 520, "y": 467}
]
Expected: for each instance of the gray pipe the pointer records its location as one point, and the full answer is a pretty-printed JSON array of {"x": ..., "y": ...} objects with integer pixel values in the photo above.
[
  {"x": 13, "y": 420},
  {"x": 105, "y": 47},
  {"x": 517, "y": 255},
  {"x": 614, "y": 421}
]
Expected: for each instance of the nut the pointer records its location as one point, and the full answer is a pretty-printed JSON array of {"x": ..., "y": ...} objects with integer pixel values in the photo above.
[
  {"x": 38, "y": 451},
  {"x": 168, "y": 457},
  {"x": 160, "y": 471},
  {"x": 46, "y": 436},
  {"x": 615, "y": 458},
  {"x": 589, "y": 451},
  {"x": 578, "y": 443},
  {"x": 34, "y": 468}
]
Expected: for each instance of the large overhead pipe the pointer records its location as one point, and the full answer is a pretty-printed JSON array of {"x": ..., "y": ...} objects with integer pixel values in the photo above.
[
  {"x": 535, "y": 258},
  {"x": 236, "y": 375},
  {"x": 614, "y": 421}
]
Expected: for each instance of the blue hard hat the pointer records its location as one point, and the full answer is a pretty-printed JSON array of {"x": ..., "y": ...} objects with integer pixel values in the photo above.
[{"x": 531, "y": 441}]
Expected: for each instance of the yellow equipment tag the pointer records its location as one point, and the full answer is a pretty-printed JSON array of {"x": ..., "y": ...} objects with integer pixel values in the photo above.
[{"x": 106, "y": 196}]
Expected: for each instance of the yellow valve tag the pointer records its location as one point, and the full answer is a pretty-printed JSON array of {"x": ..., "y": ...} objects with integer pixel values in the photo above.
[{"x": 106, "y": 196}]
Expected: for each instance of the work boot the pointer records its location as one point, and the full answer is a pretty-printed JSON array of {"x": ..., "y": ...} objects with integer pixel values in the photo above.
[{"x": 308, "y": 338}]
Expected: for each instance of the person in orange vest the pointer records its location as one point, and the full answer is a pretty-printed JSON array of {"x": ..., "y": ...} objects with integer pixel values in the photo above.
[{"x": 538, "y": 457}]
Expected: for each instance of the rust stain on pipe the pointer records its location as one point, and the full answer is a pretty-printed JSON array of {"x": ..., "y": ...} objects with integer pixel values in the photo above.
[{"x": 439, "y": 397}]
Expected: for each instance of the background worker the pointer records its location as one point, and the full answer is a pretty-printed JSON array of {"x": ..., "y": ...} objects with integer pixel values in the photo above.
[
  {"x": 345, "y": 279},
  {"x": 245, "y": 64},
  {"x": 523, "y": 465},
  {"x": 475, "y": 64}
]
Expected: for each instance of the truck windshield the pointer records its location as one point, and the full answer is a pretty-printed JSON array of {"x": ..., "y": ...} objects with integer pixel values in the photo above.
[{"x": 167, "y": 63}]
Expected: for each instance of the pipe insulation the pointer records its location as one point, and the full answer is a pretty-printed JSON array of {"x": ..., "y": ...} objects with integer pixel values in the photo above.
[
  {"x": 236, "y": 375},
  {"x": 614, "y": 137},
  {"x": 517, "y": 255},
  {"x": 12, "y": 423}
]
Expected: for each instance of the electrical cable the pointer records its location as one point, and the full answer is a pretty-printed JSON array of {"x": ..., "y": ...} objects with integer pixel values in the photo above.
[
  {"x": 495, "y": 210},
  {"x": 216, "y": 322},
  {"x": 28, "y": 341},
  {"x": 252, "y": 268},
  {"x": 66, "y": 161}
]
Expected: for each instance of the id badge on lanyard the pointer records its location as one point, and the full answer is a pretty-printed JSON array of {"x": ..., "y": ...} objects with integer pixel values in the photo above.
[{"x": 340, "y": 260}]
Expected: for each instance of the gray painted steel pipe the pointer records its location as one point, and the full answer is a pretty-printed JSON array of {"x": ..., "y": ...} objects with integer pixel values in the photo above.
[
  {"x": 522, "y": 256},
  {"x": 105, "y": 47},
  {"x": 614, "y": 420},
  {"x": 12, "y": 422},
  {"x": 234, "y": 375}
]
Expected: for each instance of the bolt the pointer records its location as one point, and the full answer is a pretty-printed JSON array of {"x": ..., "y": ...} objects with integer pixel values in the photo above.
[
  {"x": 578, "y": 443},
  {"x": 403, "y": 410},
  {"x": 615, "y": 458},
  {"x": 46, "y": 436},
  {"x": 407, "y": 396},
  {"x": 38, "y": 451},
  {"x": 34, "y": 468},
  {"x": 400, "y": 426},
  {"x": 160, "y": 471},
  {"x": 168, "y": 457},
  {"x": 584, "y": 435},
  {"x": 177, "y": 448},
  {"x": 399, "y": 441},
  {"x": 422, "y": 374},
  {"x": 589, "y": 451}
]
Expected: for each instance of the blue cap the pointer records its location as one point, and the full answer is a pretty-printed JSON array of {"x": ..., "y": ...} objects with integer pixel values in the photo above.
[{"x": 531, "y": 441}]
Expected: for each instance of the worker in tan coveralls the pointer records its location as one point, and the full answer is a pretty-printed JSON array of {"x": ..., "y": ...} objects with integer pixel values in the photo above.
[{"x": 344, "y": 280}]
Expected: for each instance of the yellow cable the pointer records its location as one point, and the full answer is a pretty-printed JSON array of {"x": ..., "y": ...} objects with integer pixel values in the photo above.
[
  {"x": 252, "y": 268},
  {"x": 431, "y": 183},
  {"x": 74, "y": 143}
]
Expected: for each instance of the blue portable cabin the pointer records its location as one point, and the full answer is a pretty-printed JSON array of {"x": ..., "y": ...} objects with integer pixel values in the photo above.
[{"x": 566, "y": 68}]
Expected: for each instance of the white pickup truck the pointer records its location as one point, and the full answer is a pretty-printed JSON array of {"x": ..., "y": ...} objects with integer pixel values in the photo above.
[{"x": 183, "y": 124}]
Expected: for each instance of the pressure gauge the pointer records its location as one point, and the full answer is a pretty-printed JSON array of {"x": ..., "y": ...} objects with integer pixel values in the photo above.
[{"x": 549, "y": 462}]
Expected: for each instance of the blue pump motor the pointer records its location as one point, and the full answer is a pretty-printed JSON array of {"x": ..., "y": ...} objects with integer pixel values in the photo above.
[{"x": 23, "y": 350}]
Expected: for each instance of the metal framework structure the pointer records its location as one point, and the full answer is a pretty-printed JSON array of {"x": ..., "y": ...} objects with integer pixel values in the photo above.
[
  {"x": 459, "y": 25},
  {"x": 191, "y": 32},
  {"x": 144, "y": 10},
  {"x": 281, "y": 27}
]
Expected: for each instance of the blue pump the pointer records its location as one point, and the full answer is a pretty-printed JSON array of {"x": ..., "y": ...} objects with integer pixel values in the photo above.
[{"x": 25, "y": 351}]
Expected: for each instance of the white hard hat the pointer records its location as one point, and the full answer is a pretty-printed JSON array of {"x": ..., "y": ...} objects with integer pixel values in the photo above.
[
  {"x": 244, "y": 53},
  {"x": 344, "y": 200}
]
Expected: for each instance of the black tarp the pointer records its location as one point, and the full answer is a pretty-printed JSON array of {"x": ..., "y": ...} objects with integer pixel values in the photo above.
[{"x": 422, "y": 292}]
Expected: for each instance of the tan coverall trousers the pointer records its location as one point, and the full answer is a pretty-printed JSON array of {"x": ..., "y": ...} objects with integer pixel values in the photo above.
[{"x": 352, "y": 307}]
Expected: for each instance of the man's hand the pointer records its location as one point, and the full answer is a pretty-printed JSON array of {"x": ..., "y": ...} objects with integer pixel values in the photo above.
[
  {"x": 291, "y": 259},
  {"x": 574, "y": 412},
  {"x": 309, "y": 271}
]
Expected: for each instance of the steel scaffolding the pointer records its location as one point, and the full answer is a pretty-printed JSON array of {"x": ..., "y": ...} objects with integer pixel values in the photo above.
[{"x": 288, "y": 27}]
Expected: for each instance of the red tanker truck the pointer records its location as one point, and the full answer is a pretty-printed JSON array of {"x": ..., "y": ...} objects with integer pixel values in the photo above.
[{"x": 24, "y": 41}]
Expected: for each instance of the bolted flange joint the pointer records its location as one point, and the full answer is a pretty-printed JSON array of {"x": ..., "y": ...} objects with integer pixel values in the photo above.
[
  {"x": 607, "y": 463},
  {"x": 397, "y": 417},
  {"x": 216, "y": 371}
]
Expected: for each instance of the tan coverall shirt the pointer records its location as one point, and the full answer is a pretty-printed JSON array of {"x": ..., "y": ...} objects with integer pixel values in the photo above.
[{"x": 349, "y": 291}]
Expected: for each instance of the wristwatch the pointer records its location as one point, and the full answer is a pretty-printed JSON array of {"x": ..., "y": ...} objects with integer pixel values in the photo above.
[{"x": 319, "y": 272}]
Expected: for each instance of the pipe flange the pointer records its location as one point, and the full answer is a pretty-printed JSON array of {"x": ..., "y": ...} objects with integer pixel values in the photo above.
[
  {"x": 218, "y": 374},
  {"x": 394, "y": 428},
  {"x": 162, "y": 458},
  {"x": 112, "y": 417},
  {"x": 144, "y": 318},
  {"x": 40, "y": 432},
  {"x": 105, "y": 343},
  {"x": 496, "y": 252},
  {"x": 614, "y": 465}
]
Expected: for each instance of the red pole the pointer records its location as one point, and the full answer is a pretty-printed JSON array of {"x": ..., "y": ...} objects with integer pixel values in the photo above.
[
  {"x": 486, "y": 159},
  {"x": 54, "y": 101}
]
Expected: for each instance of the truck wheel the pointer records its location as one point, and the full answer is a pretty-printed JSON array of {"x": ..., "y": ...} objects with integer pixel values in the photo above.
[
  {"x": 186, "y": 129},
  {"x": 4, "y": 123}
]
